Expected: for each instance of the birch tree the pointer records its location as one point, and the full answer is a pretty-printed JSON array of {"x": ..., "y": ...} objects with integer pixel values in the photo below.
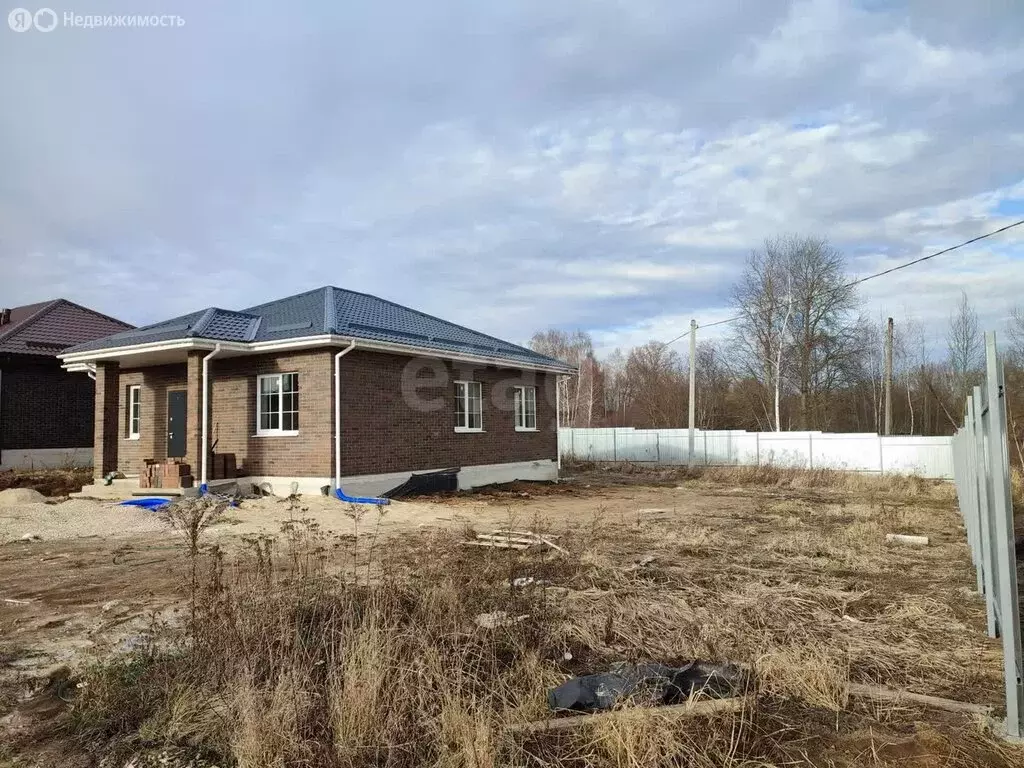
[{"x": 964, "y": 347}]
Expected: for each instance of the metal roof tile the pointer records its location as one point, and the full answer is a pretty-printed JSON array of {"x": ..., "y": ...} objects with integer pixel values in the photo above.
[{"x": 330, "y": 310}]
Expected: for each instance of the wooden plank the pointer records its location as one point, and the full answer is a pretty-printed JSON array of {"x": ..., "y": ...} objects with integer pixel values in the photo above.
[
  {"x": 513, "y": 539},
  {"x": 524, "y": 533},
  {"x": 554, "y": 546},
  {"x": 878, "y": 693},
  {"x": 687, "y": 709},
  {"x": 495, "y": 544}
]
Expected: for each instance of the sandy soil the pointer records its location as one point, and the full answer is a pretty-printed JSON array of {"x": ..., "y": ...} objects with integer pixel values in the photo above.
[
  {"x": 104, "y": 578},
  {"x": 80, "y": 578}
]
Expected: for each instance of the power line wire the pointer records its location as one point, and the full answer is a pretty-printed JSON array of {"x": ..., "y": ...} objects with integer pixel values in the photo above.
[{"x": 860, "y": 280}]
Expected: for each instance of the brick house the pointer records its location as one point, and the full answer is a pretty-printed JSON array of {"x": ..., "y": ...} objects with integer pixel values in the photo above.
[
  {"x": 46, "y": 413},
  {"x": 326, "y": 387}
]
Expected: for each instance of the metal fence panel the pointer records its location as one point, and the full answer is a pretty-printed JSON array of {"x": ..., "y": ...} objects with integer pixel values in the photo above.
[
  {"x": 982, "y": 474},
  {"x": 924, "y": 456}
]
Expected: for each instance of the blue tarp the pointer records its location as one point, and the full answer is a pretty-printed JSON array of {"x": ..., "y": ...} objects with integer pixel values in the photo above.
[{"x": 147, "y": 502}]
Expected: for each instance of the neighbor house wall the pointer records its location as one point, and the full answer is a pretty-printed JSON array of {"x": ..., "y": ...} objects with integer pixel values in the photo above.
[
  {"x": 398, "y": 414},
  {"x": 46, "y": 414},
  {"x": 42, "y": 405}
]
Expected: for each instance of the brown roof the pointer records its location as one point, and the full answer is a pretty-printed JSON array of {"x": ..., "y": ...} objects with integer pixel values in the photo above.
[{"x": 48, "y": 327}]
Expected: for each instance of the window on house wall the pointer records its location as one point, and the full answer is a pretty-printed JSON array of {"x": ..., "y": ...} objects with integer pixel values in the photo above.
[
  {"x": 525, "y": 399},
  {"x": 277, "y": 404},
  {"x": 468, "y": 407},
  {"x": 134, "y": 414}
]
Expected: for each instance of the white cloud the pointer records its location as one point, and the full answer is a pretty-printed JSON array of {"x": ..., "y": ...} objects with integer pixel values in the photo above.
[{"x": 604, "y": 165}]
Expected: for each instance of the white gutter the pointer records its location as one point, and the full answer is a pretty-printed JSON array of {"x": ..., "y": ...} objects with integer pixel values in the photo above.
[
  {"x": 206, "y": 413},
  {"x": 337, "y": 412},
  {"x": 304, "y": 343},
  {"x": 92, "y": 356}
]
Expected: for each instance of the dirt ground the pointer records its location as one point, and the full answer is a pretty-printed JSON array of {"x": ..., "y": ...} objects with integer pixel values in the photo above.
[{"x": 101, "y": 579}]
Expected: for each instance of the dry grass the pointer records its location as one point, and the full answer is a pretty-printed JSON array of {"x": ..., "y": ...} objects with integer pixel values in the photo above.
[{"x": 323, "y": 651}]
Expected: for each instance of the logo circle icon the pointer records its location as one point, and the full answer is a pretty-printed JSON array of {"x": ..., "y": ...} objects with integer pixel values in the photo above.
[
  {"x": 45, "y": 19},
  {"x": 20, "y": 20}
]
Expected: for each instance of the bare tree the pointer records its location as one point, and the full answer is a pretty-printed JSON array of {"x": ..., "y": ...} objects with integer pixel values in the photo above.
[
  {"x": 574, "y": 348},
  {"x": 764, "y": 300},
  {"x": 797, "y": 320},
  {"x": 1015, "y": 332},
  {"x": 658, "y": 385},
  {"x": 616, "y": 387},
  {"x": 825, "y": 332},
  {"x": 964, "y": 345},
  {"x": 713, "y": 385}
]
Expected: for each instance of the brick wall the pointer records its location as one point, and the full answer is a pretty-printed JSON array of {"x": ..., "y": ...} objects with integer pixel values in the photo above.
[
  {"x": 155, "y": 381},
  {"x": 105, "y": 443},
  {"x": 233, "y": 414},
  {"x": 398, "y": 414},
  {"x": 44, "y": 406}
]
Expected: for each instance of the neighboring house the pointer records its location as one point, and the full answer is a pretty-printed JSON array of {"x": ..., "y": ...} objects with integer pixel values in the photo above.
[
  {"x": 415, "y": 392},
  {"x": 46, "y": 413}
]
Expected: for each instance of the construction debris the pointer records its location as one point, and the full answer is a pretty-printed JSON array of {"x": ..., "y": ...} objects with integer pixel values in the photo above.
[
  {"x": 509, "y": 539},
  {"x": 912, "y": 541},
  {"x": 878, "y": 693},
  {"x": 498, "y": 619}
]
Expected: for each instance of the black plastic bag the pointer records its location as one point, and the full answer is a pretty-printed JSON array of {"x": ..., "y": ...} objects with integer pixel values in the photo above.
[{"x": 650, "y": 683}]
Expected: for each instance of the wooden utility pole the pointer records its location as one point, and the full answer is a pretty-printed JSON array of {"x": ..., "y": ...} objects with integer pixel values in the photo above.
[
  {"x": 888, "y": 377},
  {"x": 693, "y": 386}
]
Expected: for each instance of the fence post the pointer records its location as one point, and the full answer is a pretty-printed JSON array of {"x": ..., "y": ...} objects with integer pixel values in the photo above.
[
  {"x": 810, "y": 450},
  {"x": 1006, "y": 565},
  {"x": 967, "y": 450},
  {"x": 757, "y": 449},
  {"x": 615, "y": 450},
  {"x": 984, "y": 515},
  {"x": 881, "y": 456},
  {"x": 657, "y": 447}
]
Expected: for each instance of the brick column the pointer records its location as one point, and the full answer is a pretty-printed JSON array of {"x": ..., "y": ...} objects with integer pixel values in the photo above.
[
  {"x": 194, "y": 422},
  {"x": 108, "y": 395}
]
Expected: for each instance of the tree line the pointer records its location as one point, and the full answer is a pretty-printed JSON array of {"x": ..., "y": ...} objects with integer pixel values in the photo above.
[{"x": 800, "y": 355}]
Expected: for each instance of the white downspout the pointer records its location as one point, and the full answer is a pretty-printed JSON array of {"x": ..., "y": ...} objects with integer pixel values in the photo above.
[
  {"x": 206, "y": 415},
  {"x": 558, "y": 421},
  {"x": 91, "y": 373},
  {"x": 337, "y": 412}
]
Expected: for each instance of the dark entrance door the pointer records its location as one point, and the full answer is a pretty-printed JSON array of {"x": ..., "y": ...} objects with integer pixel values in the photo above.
[{"x": 176, "y": 414}]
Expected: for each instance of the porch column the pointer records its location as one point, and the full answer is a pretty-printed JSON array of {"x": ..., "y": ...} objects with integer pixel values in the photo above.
[
  {"x": 194, "y": 420},
  {"x": 105, "y": 435}
]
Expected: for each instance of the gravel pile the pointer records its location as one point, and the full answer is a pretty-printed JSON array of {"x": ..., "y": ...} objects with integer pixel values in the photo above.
[{"x": 75, "y": 518}]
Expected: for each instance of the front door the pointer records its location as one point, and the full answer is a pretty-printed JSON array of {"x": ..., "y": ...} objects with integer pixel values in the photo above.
[{"x": 176, "y": 410}]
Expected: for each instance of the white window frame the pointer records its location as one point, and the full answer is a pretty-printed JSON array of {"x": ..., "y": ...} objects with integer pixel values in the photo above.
[
  {"x": 520, "y": 413},
  {"x": 466, "y": 399},
  {"x": 134, "y": 412},
  {"x": 278, "y": 432}
]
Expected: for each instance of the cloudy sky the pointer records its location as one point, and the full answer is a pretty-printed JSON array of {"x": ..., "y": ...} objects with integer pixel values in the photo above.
[{"x": 597, "y": 164}]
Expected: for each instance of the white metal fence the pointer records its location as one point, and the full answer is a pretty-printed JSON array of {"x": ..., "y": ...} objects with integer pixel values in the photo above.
[
  {"x": 981, "y": 460},
  {"x": 924, "y": 456}
]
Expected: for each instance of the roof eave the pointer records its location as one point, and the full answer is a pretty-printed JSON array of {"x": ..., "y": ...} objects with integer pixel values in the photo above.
[{"x": 305, "y": 342}]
